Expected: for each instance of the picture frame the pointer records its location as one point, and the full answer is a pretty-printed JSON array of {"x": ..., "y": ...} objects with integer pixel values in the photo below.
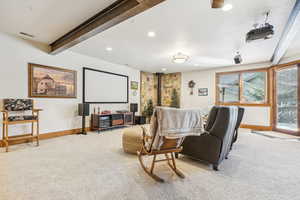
[
  {"x": 134, "y": 85},
  {"x": 51, "y": 82},
  {"x": 203, "y": 92}
]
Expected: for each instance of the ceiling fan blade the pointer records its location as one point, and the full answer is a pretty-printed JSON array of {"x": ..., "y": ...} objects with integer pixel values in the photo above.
[{"x": 217, "y": 3}]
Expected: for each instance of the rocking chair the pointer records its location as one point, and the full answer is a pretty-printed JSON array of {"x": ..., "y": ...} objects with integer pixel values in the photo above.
[{"x": 158, "y": 144}]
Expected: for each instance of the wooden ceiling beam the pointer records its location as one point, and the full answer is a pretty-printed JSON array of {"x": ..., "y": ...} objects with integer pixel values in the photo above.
[
  {"x": 114, "y": 14},
  {"x": 290, "y": 31},
  {"x": 217, "y": 3}
]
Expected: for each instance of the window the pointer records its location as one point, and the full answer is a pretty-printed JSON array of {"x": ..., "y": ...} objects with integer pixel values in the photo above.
[
  {"x": 243, "y": 87},
  {"x": 254, "y": 87},
  {"x": 229, "y": 88},
  {"x": 287, "y": 107}
]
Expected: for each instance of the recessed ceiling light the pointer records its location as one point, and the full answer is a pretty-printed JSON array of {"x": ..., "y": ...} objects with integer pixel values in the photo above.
[
  {"x": 108, "y": 49},
  {"x": 151, "y": 34},
  {"x": 163, "y": 69},
  {"x": 227, "y": 7}
]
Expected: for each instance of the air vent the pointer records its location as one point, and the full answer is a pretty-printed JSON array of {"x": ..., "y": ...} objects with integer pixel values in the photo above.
[{"x": 26, "y": 34}]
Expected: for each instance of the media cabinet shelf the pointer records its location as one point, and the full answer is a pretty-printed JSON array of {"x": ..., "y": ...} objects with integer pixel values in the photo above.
[
  {"x": 19, "y": 122},
  {"x": 109, "y": 121}
]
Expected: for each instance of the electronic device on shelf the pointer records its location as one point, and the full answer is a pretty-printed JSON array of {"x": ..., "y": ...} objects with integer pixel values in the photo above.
[
  {"x": 104, "y": 122},
  {"x": 106, "y": 112},
  {"x": 122, "y": 111}
]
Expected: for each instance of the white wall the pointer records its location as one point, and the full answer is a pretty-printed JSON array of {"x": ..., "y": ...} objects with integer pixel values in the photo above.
[
  {"x": 58, "y": 114},
  {"x": 206, "y": 79}
]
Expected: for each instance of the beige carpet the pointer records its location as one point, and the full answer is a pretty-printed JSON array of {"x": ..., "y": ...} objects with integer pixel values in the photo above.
[
  {"x": 277, "y": 135},
  {"x": 94, "y": 167}
]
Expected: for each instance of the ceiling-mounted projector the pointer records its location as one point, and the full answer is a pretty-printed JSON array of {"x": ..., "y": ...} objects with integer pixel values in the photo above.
[{"x": 264, "y": 31}]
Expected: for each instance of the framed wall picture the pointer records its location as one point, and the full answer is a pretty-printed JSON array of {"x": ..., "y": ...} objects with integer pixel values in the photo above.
[
  {"x": 203, "y": 92},
  {"x": 51, "y": 82},
  {"x": 134, "y": 85}
]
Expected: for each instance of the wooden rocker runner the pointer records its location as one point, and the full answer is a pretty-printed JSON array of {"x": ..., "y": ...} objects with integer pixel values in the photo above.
[
  {"x": 160, "y": 144},
  {"x": 168, "y": 147}
]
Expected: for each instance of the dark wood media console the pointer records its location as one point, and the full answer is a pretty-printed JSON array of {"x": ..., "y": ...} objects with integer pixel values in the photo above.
[{"x": 108, "y": 121}]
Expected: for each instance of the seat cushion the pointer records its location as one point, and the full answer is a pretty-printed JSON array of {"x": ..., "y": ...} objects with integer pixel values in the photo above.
[
  {"x": 22, "y": 117},
  {"x": 132, "y": 139}
]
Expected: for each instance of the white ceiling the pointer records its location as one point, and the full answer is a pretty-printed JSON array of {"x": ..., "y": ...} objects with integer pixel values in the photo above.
[
  {"x": 294, "y": 48},
  {"x": 47, "y": 20},
  {"x": 209, "y": 36}
]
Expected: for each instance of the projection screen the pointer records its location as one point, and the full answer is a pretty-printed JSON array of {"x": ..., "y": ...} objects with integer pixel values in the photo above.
[{"x": 104, "y": 87}]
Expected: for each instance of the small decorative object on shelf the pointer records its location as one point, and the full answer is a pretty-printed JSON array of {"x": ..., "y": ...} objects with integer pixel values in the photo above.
[{"x": 16, "y": 106}]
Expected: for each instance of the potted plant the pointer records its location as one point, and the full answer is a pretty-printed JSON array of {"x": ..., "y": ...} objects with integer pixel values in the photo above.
[
  {"x": 148, "y": 110},
  {"x": 174, "y": 99}
]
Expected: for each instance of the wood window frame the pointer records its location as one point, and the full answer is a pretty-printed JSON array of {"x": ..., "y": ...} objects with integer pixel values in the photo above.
[
  {"x": 273, "y": 108},
  {"x": 268, "y": 94}
]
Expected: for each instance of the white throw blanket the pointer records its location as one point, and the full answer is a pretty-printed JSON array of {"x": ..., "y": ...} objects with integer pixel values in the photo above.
[{"x": 174, "y": 123}]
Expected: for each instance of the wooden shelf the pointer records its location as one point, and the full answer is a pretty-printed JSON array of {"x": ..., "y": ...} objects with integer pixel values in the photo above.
[
  {"x": 111, "y": 127},
  {"x": 15, "y": 136},
  {"x": 34, "y": 128},
  {"x": 19, "y": 122},
  {"x": 21, "y": 138}
]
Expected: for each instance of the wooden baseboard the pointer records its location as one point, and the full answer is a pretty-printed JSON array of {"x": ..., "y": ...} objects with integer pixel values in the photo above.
[
  {"x": 46, "y": 136},
  {"x": 257, "y": 128}
]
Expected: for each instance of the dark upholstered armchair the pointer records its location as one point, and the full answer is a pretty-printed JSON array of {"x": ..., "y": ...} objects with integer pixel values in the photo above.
[
  {"x": 214, "y": 145},
  {"x": 238, "y": 123}
]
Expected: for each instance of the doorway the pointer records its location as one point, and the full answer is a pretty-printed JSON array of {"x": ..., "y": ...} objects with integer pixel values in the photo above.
[{"x": 287, "y": 93}]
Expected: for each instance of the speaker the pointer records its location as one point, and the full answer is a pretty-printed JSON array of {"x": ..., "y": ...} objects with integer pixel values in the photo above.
[
  {"x": 83, "y": 109},
  {"x": 133, "y": 107},
  {"x": 140, "y": 120}
]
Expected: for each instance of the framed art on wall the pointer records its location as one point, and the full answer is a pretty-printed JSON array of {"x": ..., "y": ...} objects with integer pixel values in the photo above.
[
  {"x": 51, "y": 82},
  {"x": 134, "y": 85},
  {"x": 203, "y": 92}
]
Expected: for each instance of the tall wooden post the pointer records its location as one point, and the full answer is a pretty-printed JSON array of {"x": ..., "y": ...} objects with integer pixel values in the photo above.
[{"x": 159, "y": 85}]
